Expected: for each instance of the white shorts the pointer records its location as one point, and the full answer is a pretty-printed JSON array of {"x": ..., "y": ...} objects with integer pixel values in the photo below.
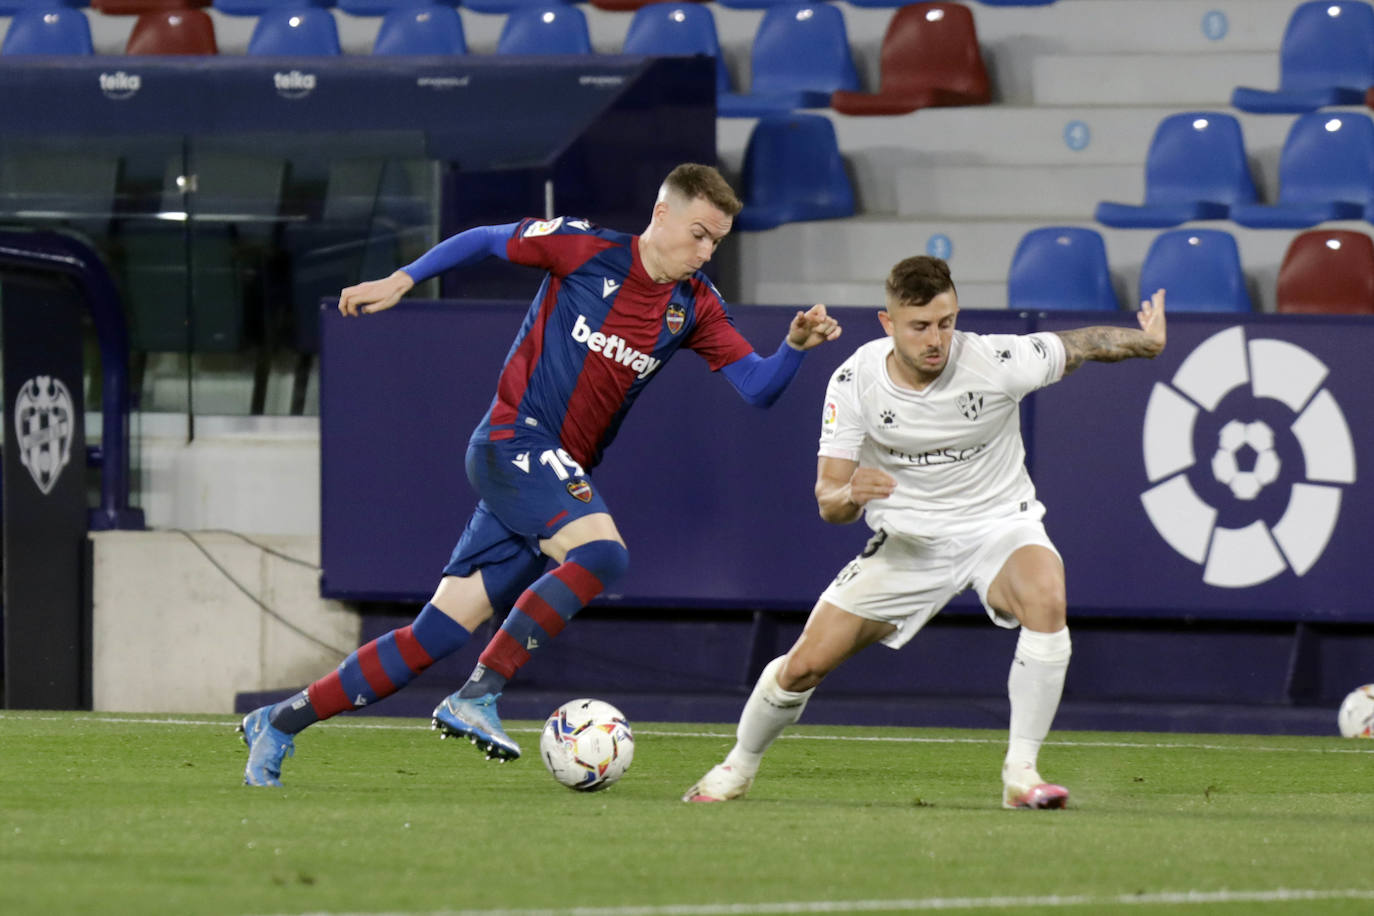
[{"x": 906, "y": 581}]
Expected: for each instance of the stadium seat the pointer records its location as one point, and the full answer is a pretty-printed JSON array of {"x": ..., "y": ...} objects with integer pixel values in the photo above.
[
  {"x": 139, "y": 7},
  {"x": 758, "y": 4},
  {"x": 186, "y": 31},
  {"x": 52, "y": 30},
  {"x": 509, "y": 6},
  {"x": 545, "y": 30},
  {"x": 421, "y": 30},
  {"x": 383, "y": 7},
  {"x": 1327, "y": 272},
  {"x": 1326, "y": 172},
  {"x": 1195, "y": 169},
  {"x": 12, "y": 7},
  {"x": 1326, "y": 58},
  {"x": 793, "y": 171},
  {"x": 677, "y": 29},
  {"x": 1200, "y": 268},
  {"x": 259, "y": 7},
  {"x": 800, "y": 56},
  {"x": 1060, "y": 267},
  {"x": 627, "y": 6},
  {"x": 930, "y": 57},
  {"x": 295, "y": 32}
]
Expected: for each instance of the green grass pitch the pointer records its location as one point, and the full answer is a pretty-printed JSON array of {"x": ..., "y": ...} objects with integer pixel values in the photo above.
[{"x": 112, "y": 814}]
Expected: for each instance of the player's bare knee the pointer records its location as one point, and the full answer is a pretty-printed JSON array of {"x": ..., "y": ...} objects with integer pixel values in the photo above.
[
  {"x": 464, "y": 599},
  {"x": 801, "y": 671}
]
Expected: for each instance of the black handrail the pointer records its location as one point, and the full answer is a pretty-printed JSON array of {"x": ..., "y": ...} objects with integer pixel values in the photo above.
[{"x": 59, "y": 253}]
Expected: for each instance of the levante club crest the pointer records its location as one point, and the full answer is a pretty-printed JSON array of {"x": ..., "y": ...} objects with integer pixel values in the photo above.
[
  {"x": 580, "y": 489},
  {"x": 677, "y": 316}
]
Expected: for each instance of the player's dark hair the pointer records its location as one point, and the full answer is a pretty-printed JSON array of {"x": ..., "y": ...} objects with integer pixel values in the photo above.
[
  {"x": 693, "y": 180},
  {"x": 919, "y": 279}
]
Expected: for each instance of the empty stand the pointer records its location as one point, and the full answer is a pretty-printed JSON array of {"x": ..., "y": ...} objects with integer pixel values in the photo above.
[
  {"x": 295, "y": 32},
  {"x": 625, "y": 6},
  {"x": 421, "y": 30},
  {"x": 1326, "y": 172},
  {"x": 259, "y": 7},
  {"x": 182, "y": 31},
  {"x": 793, "y": 171},
  {"x": 1328, "y": 272},
  {"x": 800, "y": 56},
  {"x": 930, "y": 57},
  {"x": 1196, "y": 168},
  {"x": 1060, "y": 267},
  {"x": 545, "y": 30},
  {"x": 1200, "y": 269},
  {"x": 1326, "y": 58},
  {"x": 664, "y": 29},
  {"x": 54, "y": 30}
]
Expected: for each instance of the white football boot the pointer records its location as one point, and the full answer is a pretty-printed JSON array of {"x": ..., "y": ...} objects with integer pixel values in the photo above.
[
  {"x": 722, "y": 783},
  {"x": 1022, "y": 787}
]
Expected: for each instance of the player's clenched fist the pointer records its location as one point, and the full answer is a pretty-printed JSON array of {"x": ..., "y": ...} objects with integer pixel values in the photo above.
[
  {"x": 375, "y": 295},
  {"x": 870, "y": 483},
  {"x": 812, "y": 328}
]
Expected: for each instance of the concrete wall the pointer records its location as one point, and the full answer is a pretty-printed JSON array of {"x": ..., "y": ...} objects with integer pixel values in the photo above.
[{"x": 174, "y": 631}]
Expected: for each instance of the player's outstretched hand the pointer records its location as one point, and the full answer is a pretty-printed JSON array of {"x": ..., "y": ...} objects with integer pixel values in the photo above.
[
  {"x": 375, "y": 295},
  {"x": 812, "y": 328},
  {"x": 870, "y": 483},
  {"x": 1151, "y": 316}
]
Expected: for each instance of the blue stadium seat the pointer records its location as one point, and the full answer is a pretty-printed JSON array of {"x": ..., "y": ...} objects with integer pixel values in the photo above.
[
  {"x": 664, "y": 29},
  {"x": 1326, "y": 172},
  {"x": 545, "y": 30},
  {"x": 1196, "y": 169},
  {"x": 800, "y": 56},
  {"x": 1060, "y": 267},
  {"x": 421, "y": 30},
  {"x": 54, "y": 30},
  {"x": 509, "y": 6},
  {"x": 1200, "y": 268},
  {"x": 295, "y": 32},
  {"x": 259, "y": 7},
  {"x": 10, "y": 7},
  {"x": 1326, "y": 58},
  {"x": 793, "y": 171},
  {"x": 382, "y": 7},
  {"x": 759, "y": 4}
]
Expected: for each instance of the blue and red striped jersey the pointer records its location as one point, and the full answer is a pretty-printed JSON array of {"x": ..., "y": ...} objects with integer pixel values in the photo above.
[{"x": 597, "y": 331}]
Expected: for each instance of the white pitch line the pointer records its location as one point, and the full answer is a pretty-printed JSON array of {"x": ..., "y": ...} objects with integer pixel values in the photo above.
[
  {"x": 918, "y": 904},
  {"x": 1365, "y": 748}
]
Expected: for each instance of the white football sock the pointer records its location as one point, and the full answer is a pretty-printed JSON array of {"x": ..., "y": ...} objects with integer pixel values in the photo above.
[
  {"x": 1034, "y": 686},
  {"x": 768, "y": 711}
]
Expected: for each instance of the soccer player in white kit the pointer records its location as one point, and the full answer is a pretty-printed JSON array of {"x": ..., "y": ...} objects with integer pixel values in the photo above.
[{"x": 921, "y": 436}]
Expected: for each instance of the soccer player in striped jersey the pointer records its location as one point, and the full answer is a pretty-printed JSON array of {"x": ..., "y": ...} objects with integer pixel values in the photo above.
[
  {"x": 612, "y": 308},
  {"x": 921, "y": 436}
]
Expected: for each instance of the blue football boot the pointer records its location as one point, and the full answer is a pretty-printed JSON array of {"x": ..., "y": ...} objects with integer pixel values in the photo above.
[
  {"x": 267, "y": 746},
  {"x": 476, "y": 719}
]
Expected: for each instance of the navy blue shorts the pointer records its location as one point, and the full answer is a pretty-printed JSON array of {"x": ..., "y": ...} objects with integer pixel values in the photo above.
[{"x": 530, "y": 488}]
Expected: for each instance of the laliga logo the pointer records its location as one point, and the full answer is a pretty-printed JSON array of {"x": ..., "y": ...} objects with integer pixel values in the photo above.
[
  {"x": 120, "y": 85},
  {"x": 294, "y": 85},
  {"x": 43, "y": 417},
  {"x": 1245, "y": 459}
]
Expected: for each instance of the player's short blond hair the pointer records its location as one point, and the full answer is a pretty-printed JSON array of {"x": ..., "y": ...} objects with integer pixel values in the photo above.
[
  {"x": 692, "y": 180},
  {"x": 917, "y": 280}
]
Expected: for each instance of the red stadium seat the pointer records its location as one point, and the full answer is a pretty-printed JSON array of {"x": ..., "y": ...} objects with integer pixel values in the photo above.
[
  {"x": 186, "y": 31},
  {"x": 139, "y": 7},
  {"x": 930, "y": 57},
  {"x": 1328, "y": 272}
]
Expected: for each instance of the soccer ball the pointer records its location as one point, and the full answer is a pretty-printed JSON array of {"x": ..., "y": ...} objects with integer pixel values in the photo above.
[
  {"x": 587, "y": 744},
  {"x": 1356, "y": 716}
]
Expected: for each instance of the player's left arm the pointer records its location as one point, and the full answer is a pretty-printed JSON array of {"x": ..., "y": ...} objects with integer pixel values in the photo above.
[
  {"x": 1107, "y": 344},
  {"x": 761, "y": 380}
]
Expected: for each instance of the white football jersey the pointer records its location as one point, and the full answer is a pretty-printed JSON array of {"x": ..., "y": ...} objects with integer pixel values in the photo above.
[{"x": 954, "y": 447}]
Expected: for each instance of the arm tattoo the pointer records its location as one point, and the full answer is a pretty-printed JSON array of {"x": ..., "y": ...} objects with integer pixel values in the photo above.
[{"x": 1104, "y": 344}]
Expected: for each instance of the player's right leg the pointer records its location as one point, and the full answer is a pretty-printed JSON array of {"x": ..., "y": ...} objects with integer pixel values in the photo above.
[
  {"x": 831, "y": 635},
  {"x": 374, "y": 671}
]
